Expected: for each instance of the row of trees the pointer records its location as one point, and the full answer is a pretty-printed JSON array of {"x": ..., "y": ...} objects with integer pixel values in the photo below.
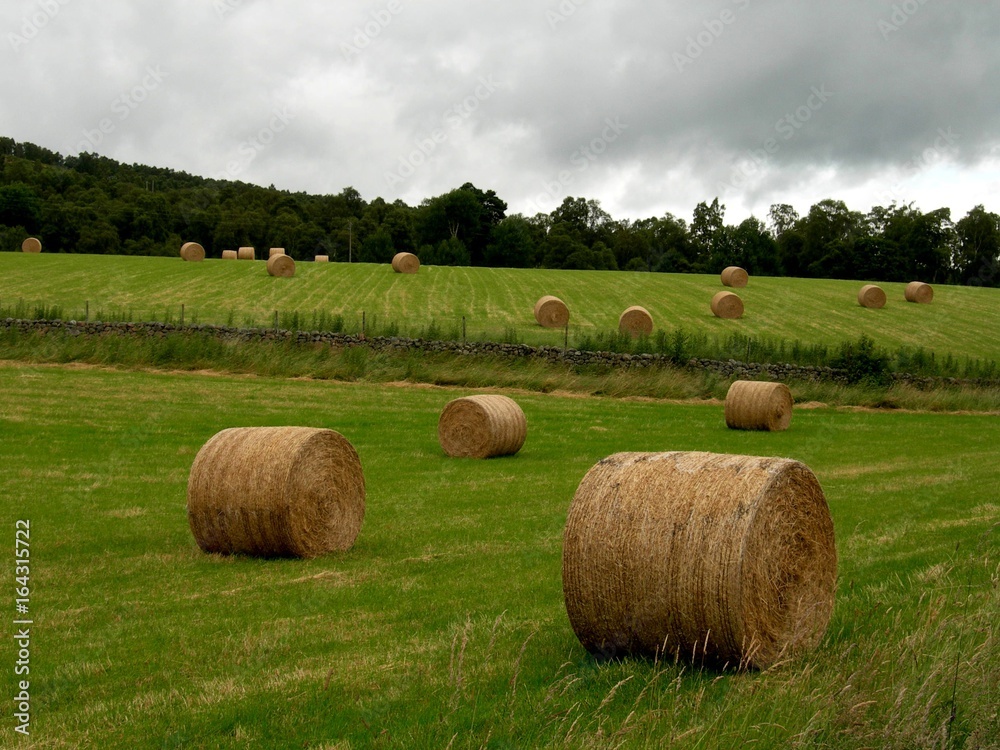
[{"x": 92, "y": 204}]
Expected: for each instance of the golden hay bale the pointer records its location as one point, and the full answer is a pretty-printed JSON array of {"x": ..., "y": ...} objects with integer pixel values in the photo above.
[
  {"x": 275, "y": 251},
  {"x": 229, "y": 255},
  {"x": 276, "y": 492},
  {"x": 636, "y": 321},
  {"x": 482, "y": 427},
  {"x": 735, "y": 277},
  {"x": 405, "y": 263},
  {"x": 281, "y": 265},
  {"x": 726, "y": 558},
  {"x": 871, "y": 296},
  {"x": 31, "y": 245},
  {"x": 727, "y": 305},
  {"x": 919, "y": 292},
  {"x": 246, "y": 253},
  {"x": 551, "y": 312},
  {"x": 322, "y": 258},
  {"x": 192, "y": 252},
  {"x": 752, "y": 405}
]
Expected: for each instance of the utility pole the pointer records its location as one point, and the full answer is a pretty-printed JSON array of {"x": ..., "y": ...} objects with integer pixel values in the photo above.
[{"x": 350, "y": 238}]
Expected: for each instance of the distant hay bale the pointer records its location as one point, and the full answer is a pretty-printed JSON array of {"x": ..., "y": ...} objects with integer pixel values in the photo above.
[
  {"x": 551, "y": 312},
  {"x": 276, "y": 492},
  {"x": 281, "y": 265},
  {"x": 246, "y": 253},
  {"x": 754, "y": 405},
  {"x": 229, "y": 255},
  {"x": 635, "y": 321},
  {"x": 31, "y": 245},
  {"x": 482, "y": 427},
  {"x": 919, "y": 292},
  {"x": 275, "y": 251},
  {"x": 871, "y": 296},
  {"x": 405, "y": 263},
  {"x": 726, "y": 559},
  {"x": 727, "y": 305},
  {"x": 322, "y": 258},
  {"x": 735, "y": 277},
  {"x": 192, "y": 252}
]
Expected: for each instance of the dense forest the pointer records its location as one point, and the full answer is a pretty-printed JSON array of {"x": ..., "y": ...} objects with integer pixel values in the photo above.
[{"x": 91, "y": 204}]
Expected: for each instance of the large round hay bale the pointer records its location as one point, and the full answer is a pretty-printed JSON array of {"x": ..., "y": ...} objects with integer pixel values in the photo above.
[
  {"x": 752, "y": 405},
  {"x": 919, "y": 292},
  {"x": 551, "y": 312},
  {"x": 322, "y": 258},
  {"x": 31, "y": 245},
  {"x": 229, "y": 255},
  {"x": 281, "y": 265},
  {"x": 482, "y": 427},
  {"x": 276, "y": 492},
  {"x": 727, "y": 559},
  {"x": 192, "y": 252},
  {"x": 275, "y": 251},
  {"x": 735, "y": 277},
  {"x": 727, "y": 305},
  {"x": 871, "y": 296},
  {"x": 405, "y": 263},
  {"x": 635, "y": 321},
  {"x": 246, "y": 253}
]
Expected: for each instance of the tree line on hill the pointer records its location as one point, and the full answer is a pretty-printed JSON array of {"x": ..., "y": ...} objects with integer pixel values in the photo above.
[{"x": 92, "y": 204}]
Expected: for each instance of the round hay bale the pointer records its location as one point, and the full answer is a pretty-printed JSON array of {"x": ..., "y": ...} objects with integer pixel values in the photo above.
[
  {"x": 322, "y": 258},
  {"x": 405, "y": 263},
  {"x": 727, "y": 305},
  {"x": 275, "y": 251},
  {"x": 281, "y": 265},
  {"x": 276, "y": 492},
  {"x": 192, "y": 252},
  {"x": 31, "y": 245},
  {"x": 735, "y": 277},
  {"x": 635, "y": 321},
  {"x": 229, "y": 255},
  {"x": 246, "y": 253},
  {"x": 730, "y": 559},
  {"x": 871, "y": 296},
  {"x": 551, "y": 312},
  {"x": 919, "y": 292},
  {"x": 482, "y": 427},
  {"x": 752, "y": 405}
]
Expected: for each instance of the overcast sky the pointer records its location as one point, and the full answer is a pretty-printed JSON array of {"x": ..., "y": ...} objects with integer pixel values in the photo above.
[{"x": 647, "y": 107}]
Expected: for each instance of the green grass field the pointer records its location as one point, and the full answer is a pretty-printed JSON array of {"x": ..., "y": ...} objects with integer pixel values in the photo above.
[
  {"x": 497, "y": 303},
  {"x": 445, "y": 625}
]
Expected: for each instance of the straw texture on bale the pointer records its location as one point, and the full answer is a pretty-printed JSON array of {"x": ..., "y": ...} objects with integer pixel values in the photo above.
[
  {"x": 730, "y": 559},
  {"x": 281, "y": 265},
  {"x": 246, "y": 253},
  {"x": 192, "y": 252},
  {"x": 735, "y": 277},
  {"x": 229, "y": 255},
  {"x": 551, "y": 312},
  {"x": 31, "y": 245},
  {"x": 752, "y": 405},
  {"x": 276, "y": 492},
  {"x": 919, "y": 292},
  {"x": 275, "y": 251},
  {"x": 871, "y": 296},
  {"x": 322, "y": 258},
  {"x": 727, "y": 305},
  {"x": 635, "y": 321},
  {"x": 405, "y": 263},
  {"x": 482, "y": 427}
]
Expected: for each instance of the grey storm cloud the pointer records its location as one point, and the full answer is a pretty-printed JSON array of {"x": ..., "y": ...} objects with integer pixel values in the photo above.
[{"x": 648, "y": 108}]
